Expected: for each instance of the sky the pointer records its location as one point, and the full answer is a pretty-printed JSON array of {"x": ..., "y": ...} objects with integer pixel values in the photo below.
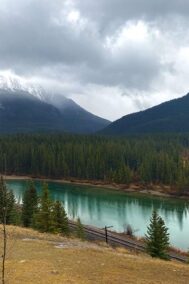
[{"x": 113, "y": 57}]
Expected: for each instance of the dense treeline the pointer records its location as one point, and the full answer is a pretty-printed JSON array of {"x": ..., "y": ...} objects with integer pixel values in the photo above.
[{"x": 159, "y": 159}]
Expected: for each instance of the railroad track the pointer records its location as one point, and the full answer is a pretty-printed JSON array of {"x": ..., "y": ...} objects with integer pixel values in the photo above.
[{"x": 113, "y": 239}]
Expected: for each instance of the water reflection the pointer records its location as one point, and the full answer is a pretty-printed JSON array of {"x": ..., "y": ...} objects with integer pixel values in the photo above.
[{"x": 101, "y": 207}]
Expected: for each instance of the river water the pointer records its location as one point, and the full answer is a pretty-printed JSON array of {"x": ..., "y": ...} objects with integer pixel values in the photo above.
[{"x": 99, "y": 207}]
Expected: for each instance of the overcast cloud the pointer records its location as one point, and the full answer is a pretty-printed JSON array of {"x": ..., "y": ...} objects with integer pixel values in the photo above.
[{"x": 113, "y": 57}]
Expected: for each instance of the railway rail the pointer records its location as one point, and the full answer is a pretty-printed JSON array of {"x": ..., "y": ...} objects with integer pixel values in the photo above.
[{"x": 93, "y": 233}]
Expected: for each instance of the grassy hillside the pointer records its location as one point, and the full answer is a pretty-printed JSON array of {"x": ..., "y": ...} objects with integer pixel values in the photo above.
[{"x": 44, "y": 258}]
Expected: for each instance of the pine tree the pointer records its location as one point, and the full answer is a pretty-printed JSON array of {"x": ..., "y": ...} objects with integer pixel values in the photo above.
[
  {"x": 7, "y": 216},
  {"x": 29, "y": 206},
  {"x": 164, "y": 237},
  {"x": 157, "y": 237},
  {"x": 80, "y": 233},
  {"x": 59, "y": 219},
  {"x": 7, "y": 200},
  {"x": 43, "y": 217}
]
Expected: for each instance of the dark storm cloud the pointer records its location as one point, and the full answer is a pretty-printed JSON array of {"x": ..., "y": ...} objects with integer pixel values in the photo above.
[
  {"x": 108, "y": 47},
  {"x": 29, "y": 36},
  {"x": 112, "y": 11},
  {"x": 31, "y": 39}
]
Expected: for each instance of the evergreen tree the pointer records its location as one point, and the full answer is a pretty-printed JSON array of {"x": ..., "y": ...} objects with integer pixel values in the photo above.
[
  {"x": 29, "y": 206},
  {"x": 59, "y": 219},
  {"x": 43, "y": 217},
  {"x": 157, "y": 237},
  {"x": 80, "y": 233},
  {"x": 7, "y": 202},
  {"x": 156, "y": 159}
]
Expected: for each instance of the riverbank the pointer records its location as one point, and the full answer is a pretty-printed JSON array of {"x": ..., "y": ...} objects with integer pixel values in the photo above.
[{"x": 151, "y": 189}]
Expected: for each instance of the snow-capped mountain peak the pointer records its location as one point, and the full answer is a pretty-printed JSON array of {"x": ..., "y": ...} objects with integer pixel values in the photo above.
[
  {"x": 14, "y": 83},
  {"x": 8, "y": 82},
  {"x": 26, "y": 107}
]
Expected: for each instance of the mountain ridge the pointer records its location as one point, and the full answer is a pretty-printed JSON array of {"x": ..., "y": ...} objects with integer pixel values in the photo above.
[
  {"x": 171, "y": 116},
  {"x": 25, "y": 111}
]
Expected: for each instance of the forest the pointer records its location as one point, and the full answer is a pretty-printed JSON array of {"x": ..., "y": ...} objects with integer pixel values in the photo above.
[{"x": 149, "y": 159}]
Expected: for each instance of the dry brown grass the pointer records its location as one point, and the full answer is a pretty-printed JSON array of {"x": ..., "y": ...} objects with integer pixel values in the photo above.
[{"x": 35, "y": 258}]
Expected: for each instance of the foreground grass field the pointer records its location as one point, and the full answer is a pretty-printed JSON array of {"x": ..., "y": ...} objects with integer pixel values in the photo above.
[{"x": 45, "y": 258}]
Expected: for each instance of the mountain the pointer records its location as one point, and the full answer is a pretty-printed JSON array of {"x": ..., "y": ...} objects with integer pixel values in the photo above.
[
  {"x": 28, "y": 109},
  {"x": 21, "y": 112},
  {"x": 171, "y": 116},
  {"x": 76, "y": 117}
]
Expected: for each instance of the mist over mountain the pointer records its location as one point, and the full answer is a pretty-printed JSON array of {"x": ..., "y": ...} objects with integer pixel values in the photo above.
[
  {"x": 27, "y": 108},
  {"x": 171, "y": 117}
]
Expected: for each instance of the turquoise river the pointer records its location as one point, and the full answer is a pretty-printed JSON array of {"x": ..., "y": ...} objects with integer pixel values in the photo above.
[{"x": 99, "y": 207}]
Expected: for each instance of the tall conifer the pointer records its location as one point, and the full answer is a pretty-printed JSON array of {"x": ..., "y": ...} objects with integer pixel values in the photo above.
[
  {"x": 80, "y": 233},
  {"x": 157, "y": 237},
  {"x": 29, "y": 206},
  {"x": 43, "y": 218},
  {"x": 7, "y": 200},
  {"x": 59, "y": 219}
]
